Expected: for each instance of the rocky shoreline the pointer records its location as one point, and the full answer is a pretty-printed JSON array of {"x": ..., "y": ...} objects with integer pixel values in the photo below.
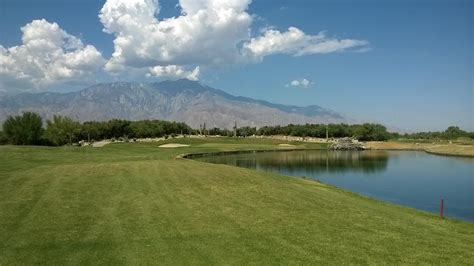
[{"x": 346, "y": 144}]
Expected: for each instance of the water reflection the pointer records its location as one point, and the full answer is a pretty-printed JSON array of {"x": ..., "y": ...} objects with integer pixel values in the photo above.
[
  {"x": 414, "y": 179},
  {"x": 368, "y": 162}
]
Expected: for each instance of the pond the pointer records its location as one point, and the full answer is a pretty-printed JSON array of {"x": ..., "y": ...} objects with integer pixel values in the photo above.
[{"x": 411, "y": 178}]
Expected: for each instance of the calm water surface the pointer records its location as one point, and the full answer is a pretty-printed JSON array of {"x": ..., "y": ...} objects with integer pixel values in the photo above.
[{"x": 410, "y": 178}]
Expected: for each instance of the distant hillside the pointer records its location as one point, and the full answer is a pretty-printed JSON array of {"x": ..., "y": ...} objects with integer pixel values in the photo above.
[{"x": 181, "y": 100}]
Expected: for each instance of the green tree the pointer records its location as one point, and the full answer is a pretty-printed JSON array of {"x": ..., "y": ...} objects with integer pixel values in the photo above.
[
  {"x": 25, "y": 129},
  {"x": 62, "y": 130},
  {"x": 454, "y": 132},
  {"x": 118, "y": 128},
  {"x": 93, "y": 130},
  {"x": 246, "y": 131},
  {"x": 367, "y": 132},
  {"x": 3, "y": 138}
]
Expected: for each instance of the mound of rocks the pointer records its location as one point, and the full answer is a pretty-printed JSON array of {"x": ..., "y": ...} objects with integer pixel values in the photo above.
[{"x": 347, "y": 144}]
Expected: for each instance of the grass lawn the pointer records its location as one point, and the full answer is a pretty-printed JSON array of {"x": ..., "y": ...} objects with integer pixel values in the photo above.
[
  {"x": 135, "y": 204},
  {"x": 443, "y": 148}
]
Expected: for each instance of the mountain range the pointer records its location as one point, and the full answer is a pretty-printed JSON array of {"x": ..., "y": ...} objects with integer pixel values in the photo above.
[{"x": 181, "y": 100}]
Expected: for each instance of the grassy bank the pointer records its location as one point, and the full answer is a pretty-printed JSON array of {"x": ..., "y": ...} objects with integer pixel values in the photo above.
[
  {"x": 436, "y": 148},
  {"x": 137, "y": 204}
]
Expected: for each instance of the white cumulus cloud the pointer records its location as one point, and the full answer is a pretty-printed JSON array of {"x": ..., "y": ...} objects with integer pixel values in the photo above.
[
  {"x": 47, "y": 56},
  {"x": 174, "y": 72},
  {"x": 302, "y": 83},
  {"x": 208, "y": 32},
  {"x": 296, "y": 42}
]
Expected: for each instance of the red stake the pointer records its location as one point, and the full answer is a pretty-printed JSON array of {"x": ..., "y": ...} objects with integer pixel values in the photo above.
[{"x": 441, "y": 209}]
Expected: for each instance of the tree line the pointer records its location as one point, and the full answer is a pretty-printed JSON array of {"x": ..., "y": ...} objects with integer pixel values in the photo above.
[
  {"x": 364, "y": 132},
  {"x": 451, "y": 133},
  {"x": 28, "y": 129}
]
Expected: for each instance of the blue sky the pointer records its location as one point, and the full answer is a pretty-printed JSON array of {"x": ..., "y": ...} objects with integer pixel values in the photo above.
[{"x": 407, "y": 64}]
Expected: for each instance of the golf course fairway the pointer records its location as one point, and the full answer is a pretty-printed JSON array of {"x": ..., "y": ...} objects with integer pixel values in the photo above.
[{"x": 136, "y": 203}]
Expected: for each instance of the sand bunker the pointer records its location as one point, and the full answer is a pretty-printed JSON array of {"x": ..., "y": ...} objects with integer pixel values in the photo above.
[
  {"x": 101, "y": 143},
  {"x": 286, "y": 145},
  {"x": 173, "y": 145}
]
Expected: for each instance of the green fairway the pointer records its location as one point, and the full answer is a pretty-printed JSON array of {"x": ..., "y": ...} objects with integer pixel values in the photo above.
[{"x": 132, "y": 203}]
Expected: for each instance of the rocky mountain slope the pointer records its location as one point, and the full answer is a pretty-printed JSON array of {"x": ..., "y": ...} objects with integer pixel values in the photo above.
[{"x": 181, "y": 100}]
